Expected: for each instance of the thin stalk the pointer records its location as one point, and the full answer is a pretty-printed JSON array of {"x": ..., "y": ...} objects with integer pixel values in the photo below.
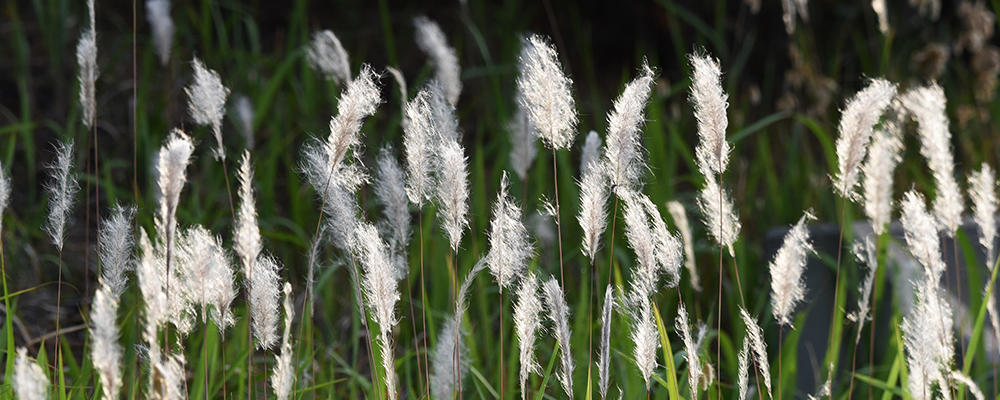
[
  {"x": 555, "y": 178},
  {"x": 781, "y": 345},
  {"x": 502, "y": 354},
  {"x": 836, "y": 286},
  {"x": 590, "y": 323},
  {"x": 204, "y": 353},
  {"x": 364, "y": 321},
  {"x": 249, "y": 333},
  {"x": 58, "y": 327},
  {"x": 854, "y": 359},
  {"x": 423, "y": 301},
  {"x": 413, "y": 321},
  {"x": 611, "y": 255},
  {"x": 458, "y": 329},
  {"x": 958, "y": 281}
]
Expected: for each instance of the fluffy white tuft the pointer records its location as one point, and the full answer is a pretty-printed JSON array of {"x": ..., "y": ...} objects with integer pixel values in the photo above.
[
  {"x": 432, "y": 41},
  {"x": 623, "y": 154},
  {"x": 865, "y": 252},
  {"x": 263, "y": 285},
  {"x": 690, "y": 349},
  {"x": 207, "y": 102},
  {"x": 558, "y": 313},
  {"x": 158, "y": 16},
  {"x": 29, "y": 382},
  {"x": 4, "y": 194},
  {"x": 591, "y": 153},
  {"x": 244, "y": 114},
  {"x": 115, "y": 246},
  {"x": 327, "y": 56},
  {"x": 283, "y": 374},
  {"x": 982, "y": 186},
  {"x": 679, "y": 215},
  {"x": 246, "y": 234},
  {"x": 744, "y": 369},
  {"x": 105, "y": 351},
  {"x": 523, "y": 142},
  {"x": 856, "y": 123},
  {"x": 921, "y": 235},
  {"x": 593, "y": 216},
  {"x": 207, "y": 275},
  {"x": 390, "y": 192},
  {"x": 876, "y": 181},
  {"x": 419, "y": 140},
  {"x": 510, "y": 248},
  {"x": 62, "y": 189},
  {"x": 787, "y": 285},
  {"x": 381, "y": 292},
  {"x": 604, "y": 360},
  {"x": 657, "y": 250},
  {"x": 710, "y": 104},
  {"x": 755, "y": 336},
  {"x": 452, "y": 189},
  {"x": 527, "y": 323},
  {"x": 547, "y": 93},
  {"x": 720, "y": 218},
  {"x": 86, "y": 58}
]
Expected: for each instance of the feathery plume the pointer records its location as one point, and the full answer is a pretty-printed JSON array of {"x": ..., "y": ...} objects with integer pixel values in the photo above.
[
  {"x": 593, "y": 216},
  {"x": 824, "y": 389},
  {"x": 690, "y": 349},
  {"x": 115, "y": 246},
  {"x": 856, "y": 122},
  {"x": 29, "y": 382},
  {"x": 327, "y": 56},
  {"x": 4, "y": 194},
  {"x": 450, "y": 347},
  {"x": 151, "y": 281},
  {"x": 865, "y": 252},
  {"x": 523, "y": 142},
  {"x": 264, "y": 291},
  {"x": 432, "y": 42},
  {"x": 418, "y": 146},
  {"x": 510, "y": 248},
  {"x": 86, "y": 59},
  {"x": 527, "y": 323},
  {"x": 983, "y": 185},
  {"x": 756, "y": 338},
  {"x": 555, "y": 303},
  {"x": 453, "y": 189},
  {"x": 928, "y": 341},
  {"x": 964, "y": 379},
  {"x": 390, "y": 192},
  {"x": 401, "y": 82},
  {"x": 443, "y": 117},
  {"x": 207, "y": 274},
  {"x": 604, "y": 359},
  {"x": 105, "y": 351},
  {"x": 167, "y": 376},
  {"x": 591, "y": 153},
  {"x": 62, "y": 189},
  {"x": 283, "y": 374},
  {"x": 623, "y": 154},
  {"x": 921, "y": 235},
  {"x": 787, "y": 286},
  {"x": 720, "y": 218},
  {"x": 710, "y": 104},
  {"x": 883, "y": 15},
  {"x": 744, "y": 369},
  {"x": 877, "y": 171},
  {"x": 158, "y": 16},
  {"x": 207, "y": 102},
  {"x": 646, "y": 339},
  {"x": 656, "y": 249},
  {"x": 927, "y": 106},
  {"x": 244, "y": 114},
  {"x": 547, "y": 93},
  {"x": 680, "y": 219},
  {"x": 171, "y": 164},
  {"x": 381, "y": 291}
]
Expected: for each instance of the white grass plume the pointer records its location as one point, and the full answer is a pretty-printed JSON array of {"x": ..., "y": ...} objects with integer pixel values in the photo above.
[
  {"x": 158, "y": 16},
  {"x": 207, "y": 102},
  {"x": 151, "y": 281},
  {"x": 4, "y": 194},
  {"x": 720, "y": 218},
  {"x": 645, "y": 337},
  {"x": 450, "y": 347},
  {"x": 756, "y": 338},
  {"x": 444, "y": 117},
  {"x": 381, "y": 291},
  {"x": 982, "y": 187},
  {"x": 30, "y": 382},
  {"x": 62, "y": 189},
  {"x": 327, "y": 56},
  {"x": 679, "y": 215},
  {"x": 86, "y": 58},
  {"x": 928, "y": 341},
  {"x": 591, "y": 153},
  {"x": 856, "y": 123},
  {"x": 418, "y": 145},
  {"x": 171, "y": 165},
  {"x": 523, "y": 142},
  {"x": 527, "y": 323},
  {"x": 927, "y": 106},
  {"x": 877, "y": 172},
  {"x": 105, "y": 351},
  {"x": 921, "y": 235},
  {"x": 604, "y": 358},
  {"x": 959, "y": 377},
  {"x": 825, "y": 388},
  {"x": 623, "y": 153},
  {"x": 789, "y": 9},
  {"x": 390, "y": 192},
  {"x": 865, "y": 252},
  {"x": 207, "y": 275},
  {"x": 263, "y": 287},
  {"x": 453, "y": 189},
  {"x": 358, "y": 101},
  {"x": 787, "y": 285},
  {"x": 510, "y": 248},
  {"x": 593, "y": 216},
  {"x": 558, "y": 313},
  {"x": 167, "y": 376},
  {"x": 283, "y": 374},
  {"x": 883, "y": 15},
  {"x": 116, "y": 244},
  {"x": 244, "y": 114},
  {"x": 743, "y": 376},
  {"x": 547, "y": 93},
  {"x": 657, "y": 250},
  {"x": 432, "y": 42},
  {"x": 401, "y": 82},
  {"x": 246, "y": 234},
  {"x": 710, "y": 104},
  {"x": 690, "y": 349}
]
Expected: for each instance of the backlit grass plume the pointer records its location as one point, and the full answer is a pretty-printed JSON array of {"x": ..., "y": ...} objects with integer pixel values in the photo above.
[
  {"x": 452, "y": 189},
  {"x": 593, "y": 216},
  {"x": 171, "y": 165},
  {"x": 755, "y": 336},
  {"x": 449, "y": 361},
  {"x": 30, "y": 382},
  {"x": 558, "y": 313},
  {"x": 62, "y": 188},
  {"x": 547, "y": 94},
  {"x": 390, "y": 192},
  {"x": 432, "y": 42},
  {"x": 523, "y": 142},
  {"x": 327, "y": 56},
  {"x": 115, "y": 247},
  {"x": 982, "y": 189},
  {"x": 710, "y": 104},
  {"x": 876, "y": 181},
  {"x": 283, "y": 374},
  {"x": 158, "y": 16},
  {"x": 624, "y": 156},
  {"x": 208, "y": 275},
  {"x": 86, "y": 58},
  {"x": 604, "y": 360},
  {"x": 265, "y": 291},
  {"x": 690, "y": 349},
  {"x": 591, "y": 152},
  {"x": 927, "y": 107},
  {"x": 207, "y": 102},
  {"x": 510, "y": 248},
  {"x": 4, "y": 194},
  {"x": 418, "y": 145},
  {"x": 743, "y": 377},
  {"x": 865, "y": 252},
  {"x": 921, "y": 235},
  {"x": 787, "y": 285},
  {"x": 856, "y": 123},
  {"x": 105, "y": 351},
  {"x": 527, "y": 323},
  {"x": 381, "y": 292},
  {"x": 679, "y": 215},
  {"x": 720, "y": 218},
  {"x": 657, "y": 250}
]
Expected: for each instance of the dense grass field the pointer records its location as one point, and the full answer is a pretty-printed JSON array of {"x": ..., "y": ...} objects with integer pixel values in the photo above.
[{"x": 786, "y": 93}]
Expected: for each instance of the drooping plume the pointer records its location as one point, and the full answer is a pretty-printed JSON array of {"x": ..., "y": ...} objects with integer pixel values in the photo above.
[
  {"x": 982, "y": 186},
  {"x": 679, "y": 215},
  {"x": 158, "y": 16},
  {"x": 787, "y": 285},
  {"x": 558, "y": 313},
  {"x": 390, "y": 191},
  {"x": 62, "y": 188},
  {"x": 207, "y": 103},
  {"x": 283, "y": 374},
  {"x": 856, "y": 123},
  {"x": 30, "y": 382},
  {"x": 327, "y": 56},
  {"x": 381, "y": 291},
  {"x": 690, "y": 349},
  {"x": 171, "y": 166},
  {"x": 710, "y": 104},
  {"x": 865, "y": 253},
  {"x": 756, "y": 338},
  {"x": 115, "y": 248},
  {"x": 878, "y": 168},
  {"x": 510, "y": 248},
  {"x": 720, "y": 218},
  {"x": 604, "y": 359},
  {"x": 105, "y": 351},
  {"x": 418, "y": 145},
  {"x": 927, "y": 106},
  {"x": 547, "y": 93},
  {"x": 453, "y": 189},
  {"x": 432, "y": 42},
  {"x": 593, "y": 216},
  {"x": 591, "y": 153},
  {"x": 264, "y": 288},
  {"x": 527, "y": 323},
  {"x": 624, "y": 156},
  {"x": 523, "y": 142},
  {"x": 86, "y": 59}
]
